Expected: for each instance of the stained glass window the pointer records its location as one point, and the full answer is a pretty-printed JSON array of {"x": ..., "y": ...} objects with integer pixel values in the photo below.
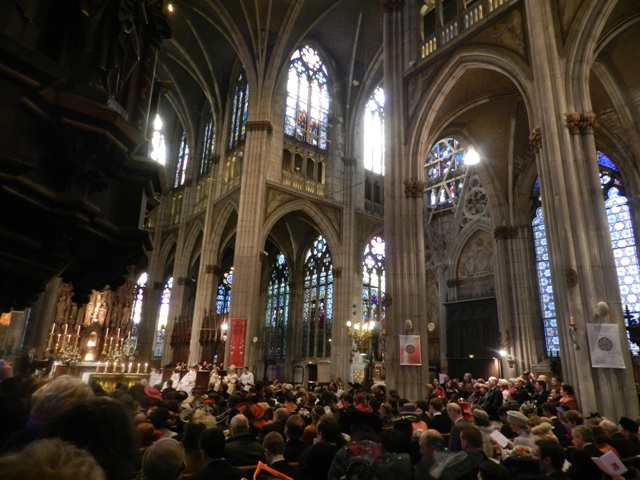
[
  {"x": 240, "y": 112},
  {"x": 277, "y": 315},
  {"x": 444, "y": 173},
  {"x": 373, "y": 296},
  {"x": 163, "y": 317},
  {"x": 307, "y": 109},
  {"x": 373, "y": 151},
  {"x": 223, "y": 297},
  {"x": 158, "y": 148},
  {"x": 547, "y": 305},
  {"x": 138, "y": 297},
  {"x": 317, "y": 300},
  {"x": 183, "y": 160},
  {"x": 624, "y": 252},
  {"x": 208, "y": 145}
]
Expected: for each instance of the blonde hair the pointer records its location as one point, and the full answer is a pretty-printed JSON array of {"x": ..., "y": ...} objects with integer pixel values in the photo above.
[
  {"x": 58, "y": 396},
  {"x": 50, "y": 459}
]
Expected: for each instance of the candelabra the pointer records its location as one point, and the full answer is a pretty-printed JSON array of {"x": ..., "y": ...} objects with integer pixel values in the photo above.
[{"x": 360, "y": 334}]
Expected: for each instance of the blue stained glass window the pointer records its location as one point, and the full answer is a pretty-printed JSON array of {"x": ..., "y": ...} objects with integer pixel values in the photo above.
[
  {"x": 240, "y": 112},
  {"x": 223, "y": 296},
  {"x": 183, "y": 160},
  {"x": 624, "y": 252},
  {"x": 277, "y": 314},
  {"x": 317, "y": 309},
  {"x": 547, "y": 305},
  {"x": 373, "y": 149},
  {"x": 307, "y": 105}
]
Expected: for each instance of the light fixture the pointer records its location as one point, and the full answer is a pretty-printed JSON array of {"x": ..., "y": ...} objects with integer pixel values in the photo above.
[
  {"x": 360, "y": 333},
  {"x": 503, "y": 353},
  {"x": 471, "y": 157}
]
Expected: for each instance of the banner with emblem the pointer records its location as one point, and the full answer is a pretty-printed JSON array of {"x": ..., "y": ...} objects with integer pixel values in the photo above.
[
  {"x": 237, "y": 336},
  {"x": 605, "y": 346},
  {"x": 410, "y": 353}
]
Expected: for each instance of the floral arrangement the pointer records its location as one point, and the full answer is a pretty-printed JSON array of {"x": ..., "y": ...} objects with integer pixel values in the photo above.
[
  {"x": 115, "y": 356},
  {"x": 522, "y": 452},
  {"x": 305, "y": 414},
  {"x": 70, "y": 356}
]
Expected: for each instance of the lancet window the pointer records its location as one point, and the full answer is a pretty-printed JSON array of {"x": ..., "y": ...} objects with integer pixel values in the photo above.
[
  {"x": 183, "y": 160},
  {"x": 318, "y": 300},
  {"x": 373, "y": 148},
  {"x": 138, "y": 297},
  {"x": 240, "y": 112},
  {"x": 223, "y": 295},
  {"x": 163, "y": 316},
  {"x": 277, "y": 314},
  {"x": 373, "y": 294},
  {"x": 208, "y": 145},
  {"x": 158, "y": 147}
]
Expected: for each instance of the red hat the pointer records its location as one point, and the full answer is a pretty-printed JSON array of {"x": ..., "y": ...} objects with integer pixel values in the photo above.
[{"x": 151, "y": 392}]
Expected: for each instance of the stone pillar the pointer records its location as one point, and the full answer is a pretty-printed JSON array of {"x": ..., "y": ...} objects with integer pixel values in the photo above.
[
  {"x": 403, "y": 222},
  {"x": 579, "y": 246},
  {"x": 249, "y": 237}
]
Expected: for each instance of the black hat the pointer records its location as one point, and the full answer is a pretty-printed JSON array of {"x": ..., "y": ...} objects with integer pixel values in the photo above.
[
  {"x": 355, "y": 419},
  {"x": 628, "y": 424}
]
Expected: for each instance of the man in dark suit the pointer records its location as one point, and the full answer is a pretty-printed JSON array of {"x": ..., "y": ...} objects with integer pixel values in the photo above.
[
  {"x": 455, "y": 414},
  {"x": 552, "y": 460},
  {"x": 582, "y": 467},
  {"x": 294, "y": 445},
  {"x": 549, "y": 410},
  {"x": 280, "y": 418},
  {"x": 439, "y": 420},
  {"x": 212, "y": 447},
  {"x": 242, "y": 448},
  {"x": 316, "y": 461},
  {"x": 623, "y": 446},
  {"x": 493, "y": 399},
  {"x": 274, "y": 451},
  {"x": 27, "y": 364}
]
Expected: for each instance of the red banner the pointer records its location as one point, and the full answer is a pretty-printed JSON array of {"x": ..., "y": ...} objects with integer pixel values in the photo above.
[{"x": 236, "y": 341}]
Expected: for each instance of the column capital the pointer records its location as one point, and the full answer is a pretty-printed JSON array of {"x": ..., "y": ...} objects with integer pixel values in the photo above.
[
  {"x": 390, "y": 6},
  {"x": 581, "y": 123},
  {"x": 212, "y": 268},
  {"x": 259, "y": 126},
  {"x": 413, "y": 188},
  {"x": 535, "y": 140},
  {"x": 505, "y": 232}
]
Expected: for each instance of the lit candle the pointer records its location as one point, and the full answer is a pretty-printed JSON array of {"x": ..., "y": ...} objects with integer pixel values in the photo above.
[
  {"x": 122, "y": 367},
  {"x": 97, "y": 367},
  {"x": 118, "y": 333},
  {"x": 128, "y": 334},
  {"x": 78, "y": 332},
  {"x": 130, "y": 365},
  {"x": 115, "y": 364},
  {"x": 145, "y": 367},
  {"x": 107, "y": 333},
  {"x": 53, "y": 328},
  {"x": 138, "y": 371},
  {"x": 66, "y": 325},
  {"x": 106, "y": 367}
]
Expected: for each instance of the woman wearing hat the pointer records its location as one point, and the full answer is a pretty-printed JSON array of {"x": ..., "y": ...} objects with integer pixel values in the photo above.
[
  {"x": 481, "y": 422},
  {"x": 519, "y": 423}
]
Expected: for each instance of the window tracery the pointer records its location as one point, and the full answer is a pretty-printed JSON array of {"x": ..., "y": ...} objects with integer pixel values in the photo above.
[
  {"x": 317, "y": 300},
  {"x": 277, "y": 314}
]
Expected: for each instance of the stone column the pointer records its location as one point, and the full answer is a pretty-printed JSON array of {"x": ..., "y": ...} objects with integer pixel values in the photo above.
[
  {"x": 580, "y": 251},
  {"x": 249, "y": 236},
  {"x": 404, "y": 234}
]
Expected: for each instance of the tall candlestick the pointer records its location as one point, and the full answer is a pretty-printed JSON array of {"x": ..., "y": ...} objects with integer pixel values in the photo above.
[
  {"x": 53, "y": 328},
  {"x": 78, "y": 332},
  {"x": 106, "y": 333},
  {"x": 66, "y": 325},
  {"x": 118, "y": 334}
]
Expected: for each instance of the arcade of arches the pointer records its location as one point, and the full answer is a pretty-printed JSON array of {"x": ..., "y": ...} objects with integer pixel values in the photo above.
[{"x": 304, "y": 202}]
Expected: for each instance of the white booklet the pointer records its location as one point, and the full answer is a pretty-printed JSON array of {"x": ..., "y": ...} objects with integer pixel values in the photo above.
[
  {"x": 610, "y": 464},
  {"x": 499, "y": 438}
]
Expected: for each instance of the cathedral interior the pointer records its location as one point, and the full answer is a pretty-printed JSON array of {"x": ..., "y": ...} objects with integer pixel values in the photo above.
[{"x": 376, "y": 190}]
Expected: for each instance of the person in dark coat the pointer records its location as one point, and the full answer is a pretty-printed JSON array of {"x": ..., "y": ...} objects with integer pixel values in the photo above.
[
  {"x": 455, "y": 414},
  {"x": 212, "y": 447},
  {"x": 280, "y": 418},
  {"x": 242, "y": 448},
  {"x": 439, "y": 420},
  {"x": 294, "y": 444},
  {"x": 493, "y": 400},
  {"x": 582, "y": 467},
  {"x": 618, "y": 441},
  {"x": 274, "y": 451},
  {"x": 316, "y": 460}
]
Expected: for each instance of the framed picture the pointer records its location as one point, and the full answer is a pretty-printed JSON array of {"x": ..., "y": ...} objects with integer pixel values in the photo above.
[{"x": 410, "y": 351}]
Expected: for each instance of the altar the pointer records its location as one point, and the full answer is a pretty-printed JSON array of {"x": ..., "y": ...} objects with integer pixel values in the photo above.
[{"x": 106, "y": 374}]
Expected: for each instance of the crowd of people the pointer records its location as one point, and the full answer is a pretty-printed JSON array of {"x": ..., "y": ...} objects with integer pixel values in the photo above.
[{"x": 157, "y": 429}]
